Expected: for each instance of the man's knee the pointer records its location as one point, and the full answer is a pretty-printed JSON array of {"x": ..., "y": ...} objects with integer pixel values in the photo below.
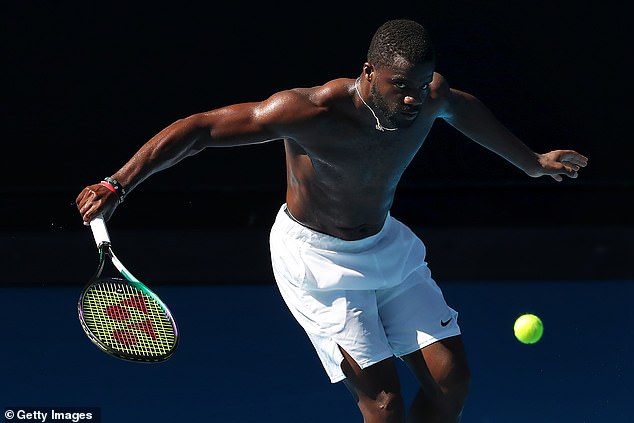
[
  {"x": 443, "y": 404},
  {"x": 386, "y": 407},
  {"x": 444, "y": 376},
  {"x": 456, "y": 389}
]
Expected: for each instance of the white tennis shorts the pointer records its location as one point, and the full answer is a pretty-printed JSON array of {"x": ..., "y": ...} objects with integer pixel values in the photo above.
[{"x": 373, "y": 297}]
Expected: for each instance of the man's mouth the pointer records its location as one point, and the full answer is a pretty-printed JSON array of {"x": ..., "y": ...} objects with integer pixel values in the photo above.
[{"x": 410, "y": 113}]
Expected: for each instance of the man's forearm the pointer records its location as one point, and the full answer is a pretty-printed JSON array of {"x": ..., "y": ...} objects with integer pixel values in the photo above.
[
  {"x": 471, "y": 117},
  {"x": 179, "y": 140}
]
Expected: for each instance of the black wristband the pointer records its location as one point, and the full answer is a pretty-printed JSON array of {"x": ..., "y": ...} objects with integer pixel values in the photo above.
[{"x": 119, "y": 189}]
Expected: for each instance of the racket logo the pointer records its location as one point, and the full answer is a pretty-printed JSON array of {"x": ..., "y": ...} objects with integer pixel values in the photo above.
[
  {"x": 117, "y": 312},
  {"x": 120, "y": 313},
  {"x": 128, "y": 338}
]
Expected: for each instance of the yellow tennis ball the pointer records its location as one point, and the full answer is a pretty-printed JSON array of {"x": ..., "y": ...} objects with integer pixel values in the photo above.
[{"x": 528, "y": 328}]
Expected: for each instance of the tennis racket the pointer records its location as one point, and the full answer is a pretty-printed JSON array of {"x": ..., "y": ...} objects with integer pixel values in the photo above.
[{"x": 122, "y": 316}]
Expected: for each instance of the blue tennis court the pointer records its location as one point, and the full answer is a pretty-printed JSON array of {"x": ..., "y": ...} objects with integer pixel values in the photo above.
[{"x": 243, "y": 358}]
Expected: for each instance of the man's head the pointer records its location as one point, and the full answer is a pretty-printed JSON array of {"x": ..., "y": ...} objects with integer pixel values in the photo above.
[
  {"x": 400, "y": 39},
  {"x": 400, "y": 68}
]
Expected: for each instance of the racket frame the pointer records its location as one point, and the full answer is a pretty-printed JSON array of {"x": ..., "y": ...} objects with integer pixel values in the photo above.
[{"x": 106, "y": 254}]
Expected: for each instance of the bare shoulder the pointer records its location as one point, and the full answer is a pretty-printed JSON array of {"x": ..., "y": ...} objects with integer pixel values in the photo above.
[
  {"x": 328, "y": 93},
  {"x": 439, "y": 93},
  {"x": 297, "y": 104},
  {"x": 439, "y": 88}
]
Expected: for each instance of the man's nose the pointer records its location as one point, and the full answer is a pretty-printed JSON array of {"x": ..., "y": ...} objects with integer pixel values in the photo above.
[{"x": 411, "y": 100}]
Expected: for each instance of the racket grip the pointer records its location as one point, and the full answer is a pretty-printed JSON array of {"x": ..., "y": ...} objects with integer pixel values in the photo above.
[{"x": 99, "y": 231}]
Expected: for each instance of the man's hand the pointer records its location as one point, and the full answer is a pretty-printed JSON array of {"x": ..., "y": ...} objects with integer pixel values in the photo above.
[
  {"x": 94, "y": 200},
  {"x": 561, "y": 162}
]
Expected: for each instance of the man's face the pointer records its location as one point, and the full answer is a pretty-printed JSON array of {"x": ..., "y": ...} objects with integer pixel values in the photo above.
[{"x": 398, "y": 92}]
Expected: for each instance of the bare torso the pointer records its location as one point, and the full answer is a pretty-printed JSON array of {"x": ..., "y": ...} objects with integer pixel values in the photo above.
[{"x": 342, "y": 173}]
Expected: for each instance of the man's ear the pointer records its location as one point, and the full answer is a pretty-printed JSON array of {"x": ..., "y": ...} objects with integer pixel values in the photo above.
[{"x": 368, "y": 71}]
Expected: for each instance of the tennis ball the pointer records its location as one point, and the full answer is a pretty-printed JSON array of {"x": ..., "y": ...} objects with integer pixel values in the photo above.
[{"x": 528, "y": 328}]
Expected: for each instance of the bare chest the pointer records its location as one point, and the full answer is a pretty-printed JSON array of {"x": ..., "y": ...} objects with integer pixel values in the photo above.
[{"x": 371, "y": 158}]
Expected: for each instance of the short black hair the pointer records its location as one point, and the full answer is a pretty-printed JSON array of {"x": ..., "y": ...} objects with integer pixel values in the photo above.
[{"x": 403, "y": 38}]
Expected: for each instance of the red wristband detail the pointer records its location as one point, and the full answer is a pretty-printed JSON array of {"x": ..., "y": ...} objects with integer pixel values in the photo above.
[{"x": 109, "y": 186}]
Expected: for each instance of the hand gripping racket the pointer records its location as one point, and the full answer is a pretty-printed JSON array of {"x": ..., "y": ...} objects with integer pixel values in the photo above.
[{"x": 122, "y": 316}]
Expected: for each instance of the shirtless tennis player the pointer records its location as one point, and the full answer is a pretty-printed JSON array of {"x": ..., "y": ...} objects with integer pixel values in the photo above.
[{"x": 353, "y": 276}]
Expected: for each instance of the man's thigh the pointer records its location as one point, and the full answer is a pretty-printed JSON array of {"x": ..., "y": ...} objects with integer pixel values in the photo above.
[
  {"x": 441, "y": 366},
  {"x": 415, "y": 314}
]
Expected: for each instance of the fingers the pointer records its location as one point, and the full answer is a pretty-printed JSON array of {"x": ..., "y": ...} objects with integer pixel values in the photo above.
[
  {"x": 86, "y": 204},
  {"x": 573, "y": 158},
  {"x": 571, "y": 165},
  {"x": 92, "y": 201},
  {"x": 562, "y": 169},
  {"x": 571, "y": 170}
]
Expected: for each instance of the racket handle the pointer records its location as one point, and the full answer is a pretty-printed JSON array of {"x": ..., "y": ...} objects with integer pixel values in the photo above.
[{"x": 99, "y": 231}]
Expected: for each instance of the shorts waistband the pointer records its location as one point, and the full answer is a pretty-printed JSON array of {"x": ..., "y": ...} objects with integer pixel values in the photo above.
[{"x": 317, "y": 239}]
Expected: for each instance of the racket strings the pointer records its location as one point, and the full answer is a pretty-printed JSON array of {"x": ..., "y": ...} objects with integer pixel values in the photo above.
[{"x": 128, "y": 320}]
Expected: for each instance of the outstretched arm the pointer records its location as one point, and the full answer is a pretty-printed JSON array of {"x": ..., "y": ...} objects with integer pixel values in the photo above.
[
  {"x": 240, "y": 124},
  {"x": 471, "y": 117}
]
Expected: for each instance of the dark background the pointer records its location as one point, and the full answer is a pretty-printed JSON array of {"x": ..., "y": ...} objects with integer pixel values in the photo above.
[{"x": 86, "y": 84}]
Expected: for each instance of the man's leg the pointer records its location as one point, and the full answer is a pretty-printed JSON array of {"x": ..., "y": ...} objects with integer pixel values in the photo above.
[
  {"x": 443, "y": 373},
  {"x": 376, "y": 390}
]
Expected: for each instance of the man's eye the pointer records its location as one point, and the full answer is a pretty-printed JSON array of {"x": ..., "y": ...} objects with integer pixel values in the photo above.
[{"x": 399, "y": 85}]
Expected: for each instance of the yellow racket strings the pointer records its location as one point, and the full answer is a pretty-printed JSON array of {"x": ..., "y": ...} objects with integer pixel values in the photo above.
[{"x": 128, "y": 320}]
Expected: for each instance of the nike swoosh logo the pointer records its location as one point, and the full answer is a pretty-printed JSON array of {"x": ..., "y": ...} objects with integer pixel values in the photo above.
[{"x": 446, "y": 322}]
